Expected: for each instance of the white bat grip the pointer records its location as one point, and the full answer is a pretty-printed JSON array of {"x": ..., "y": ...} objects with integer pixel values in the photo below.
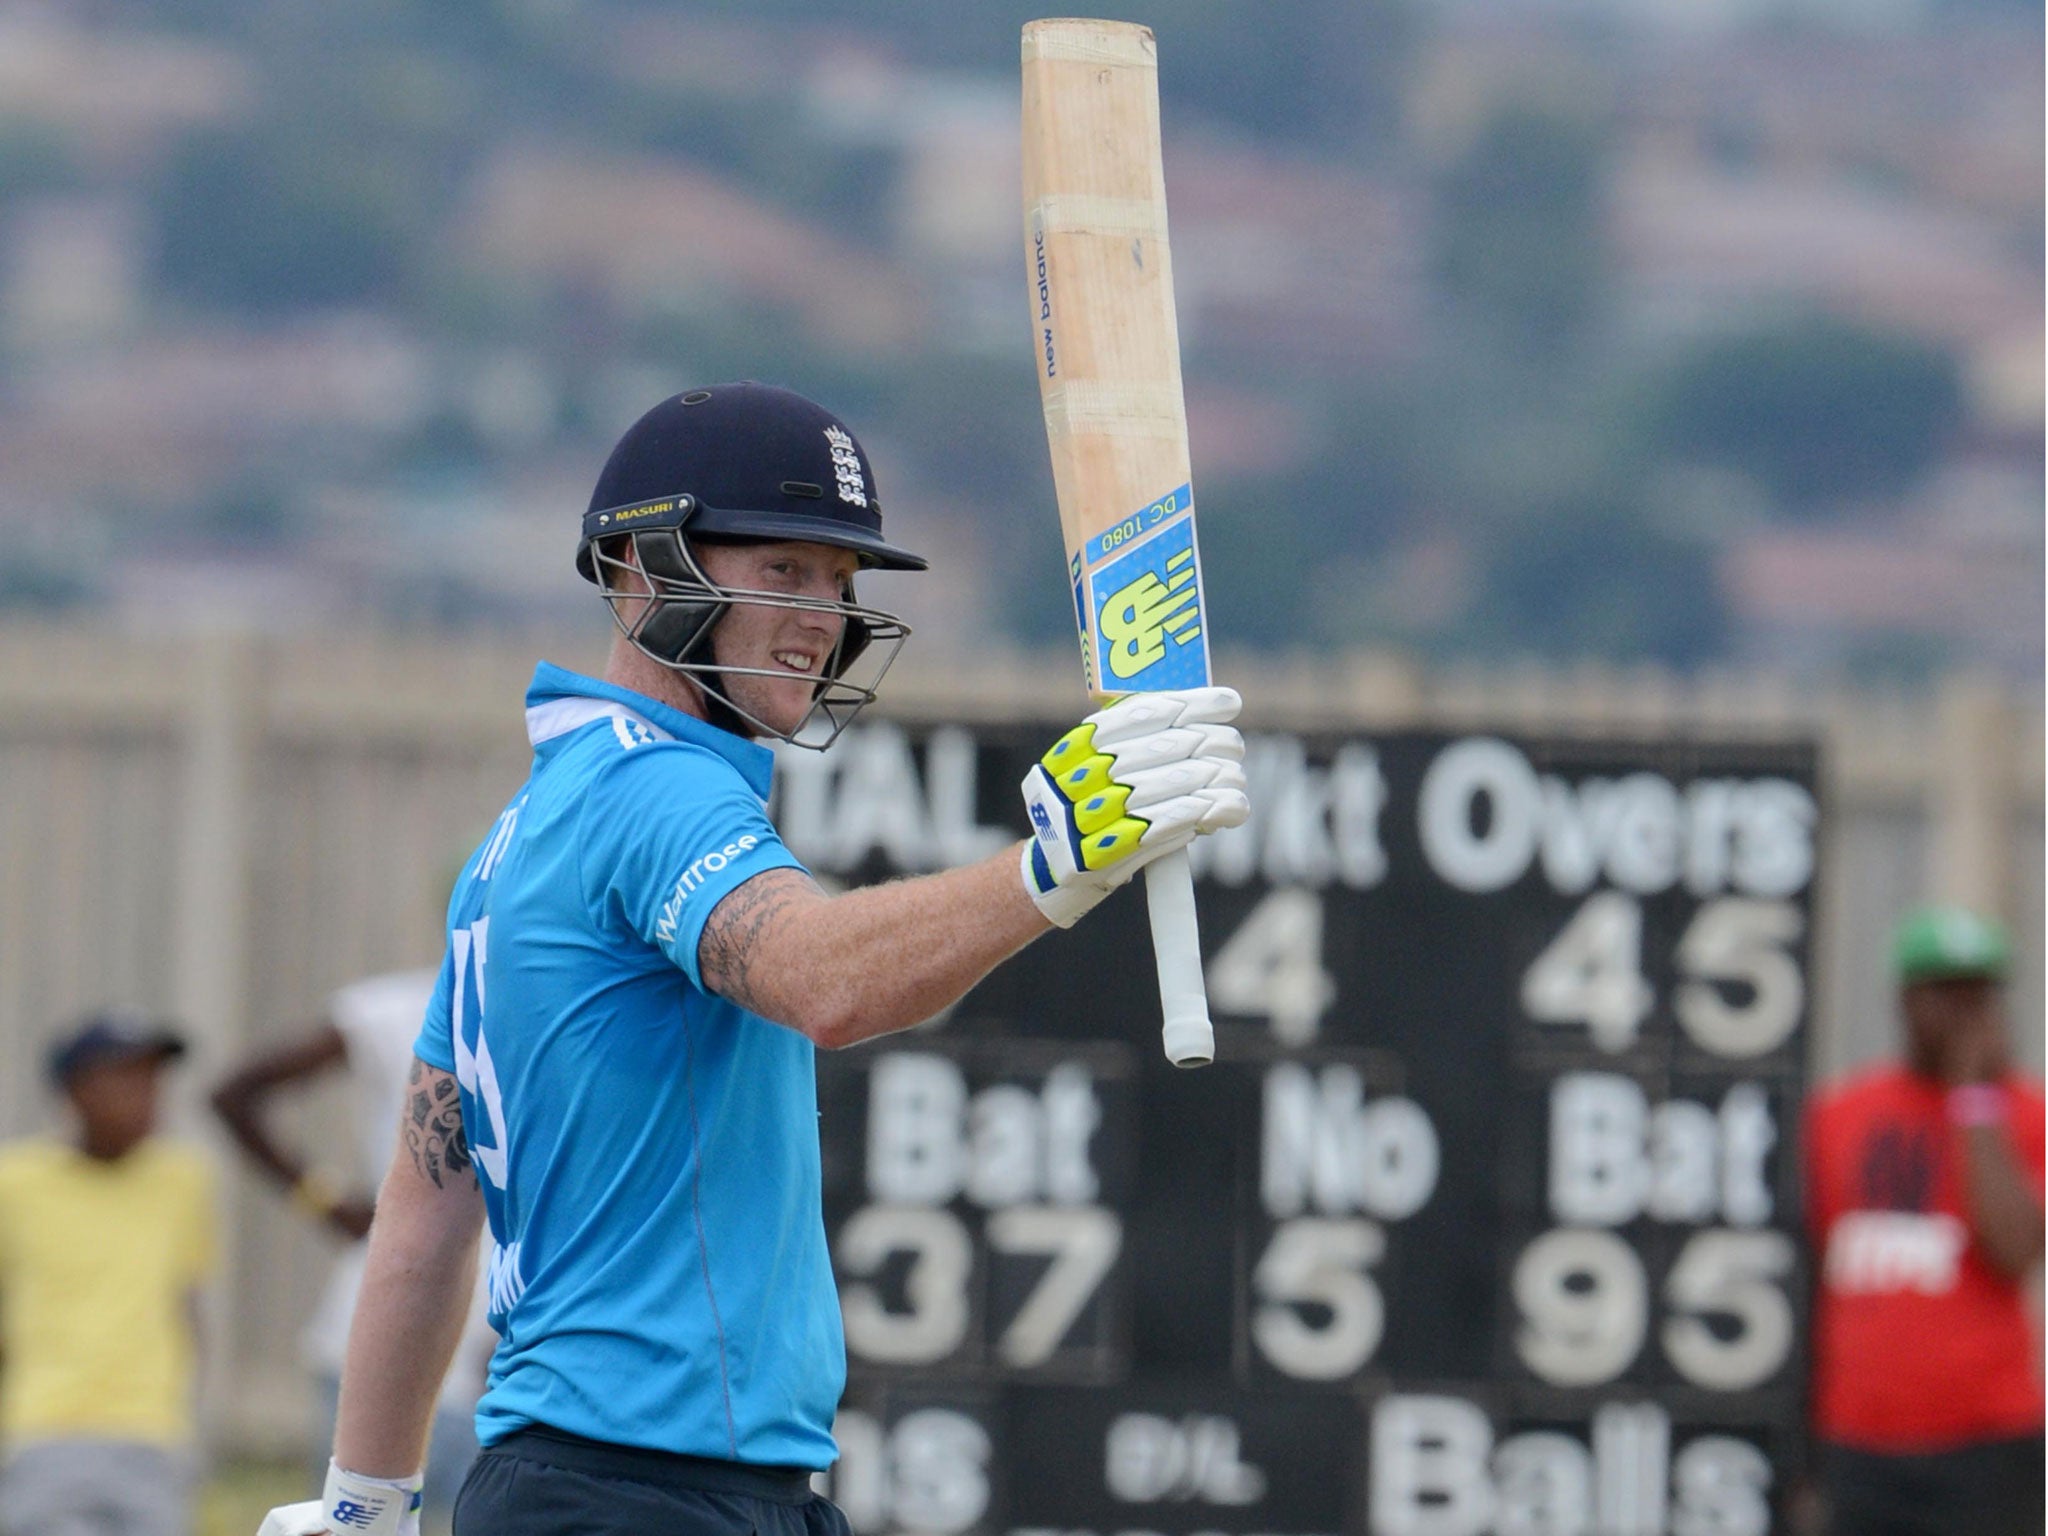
[{"x": 1177, "y": 946}]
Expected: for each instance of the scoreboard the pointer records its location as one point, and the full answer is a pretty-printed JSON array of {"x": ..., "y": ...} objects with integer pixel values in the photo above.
[{"x": 1485, "y": 1219}]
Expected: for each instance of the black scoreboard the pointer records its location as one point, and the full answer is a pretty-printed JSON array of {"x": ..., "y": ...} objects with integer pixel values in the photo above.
[{"x": 1485, "y": 1219}]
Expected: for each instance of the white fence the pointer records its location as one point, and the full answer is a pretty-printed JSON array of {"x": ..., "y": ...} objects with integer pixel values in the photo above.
[{"x": 223, "y": 829}]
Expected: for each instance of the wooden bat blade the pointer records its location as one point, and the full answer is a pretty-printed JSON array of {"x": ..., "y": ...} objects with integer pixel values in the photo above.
[
  {"x": 1100, "y": 275},
  {"x": 1100, "y": 278}
]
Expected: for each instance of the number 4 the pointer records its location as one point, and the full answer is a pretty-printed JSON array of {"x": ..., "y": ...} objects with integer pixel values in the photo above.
[
  {"x": 1592, "y": 973},
  {"x": 1272, "y": 967}
]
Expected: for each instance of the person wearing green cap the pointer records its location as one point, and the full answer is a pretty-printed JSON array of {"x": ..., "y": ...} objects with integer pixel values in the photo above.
[{"x": 1924, "y": 1199}]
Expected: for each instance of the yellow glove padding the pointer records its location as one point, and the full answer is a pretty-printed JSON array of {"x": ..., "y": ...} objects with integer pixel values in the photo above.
[{"x": 1131, "y": 782}]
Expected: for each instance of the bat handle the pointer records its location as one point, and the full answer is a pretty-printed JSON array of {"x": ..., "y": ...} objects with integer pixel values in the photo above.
[{"x": 1177, "y": 946}]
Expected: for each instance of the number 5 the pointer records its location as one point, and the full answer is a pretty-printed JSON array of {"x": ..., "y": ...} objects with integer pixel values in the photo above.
[
  {"x": 1741, "y": 943},
  {"x": 1730, "y": 1274},
  {"x": 1320, "y": 1263}
]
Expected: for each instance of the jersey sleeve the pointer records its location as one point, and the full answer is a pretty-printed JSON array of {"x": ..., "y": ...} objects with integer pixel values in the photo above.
[
  {"x": 671, "y": 832},
  {"x": 434, "y": 1045}
]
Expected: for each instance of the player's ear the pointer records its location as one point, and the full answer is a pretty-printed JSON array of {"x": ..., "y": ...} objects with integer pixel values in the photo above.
[
  {"x": 618, "y": 556},
  {"x": 664, "y": 555}
]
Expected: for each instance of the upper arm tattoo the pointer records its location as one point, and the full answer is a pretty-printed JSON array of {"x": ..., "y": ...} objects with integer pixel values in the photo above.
[
  {"x": 433, "y": 1126},
  {"x": 729, "y": 950}
]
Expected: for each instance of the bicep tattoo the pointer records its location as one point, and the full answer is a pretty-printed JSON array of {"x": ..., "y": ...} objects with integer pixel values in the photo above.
[
  {"x": 729, "y": 950},
  {"x": 433, "y": 1126}
]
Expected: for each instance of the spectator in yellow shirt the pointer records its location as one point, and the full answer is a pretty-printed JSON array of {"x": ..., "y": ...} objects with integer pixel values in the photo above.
[{"x": 104, "y": 1242}]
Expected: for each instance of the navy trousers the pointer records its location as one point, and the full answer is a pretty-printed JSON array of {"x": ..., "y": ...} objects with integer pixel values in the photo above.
[{"x": 539, "y": 1482}]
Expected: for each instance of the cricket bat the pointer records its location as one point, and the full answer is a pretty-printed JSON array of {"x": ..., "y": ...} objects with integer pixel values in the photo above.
[{"x": 1100, "y": 278}]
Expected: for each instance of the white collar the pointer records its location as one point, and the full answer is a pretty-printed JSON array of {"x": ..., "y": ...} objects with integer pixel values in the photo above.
[{"x": 559, "y": 716}]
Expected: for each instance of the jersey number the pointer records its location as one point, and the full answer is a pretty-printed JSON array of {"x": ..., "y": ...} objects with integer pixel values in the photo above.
[{"x": 473, "y": 1069}]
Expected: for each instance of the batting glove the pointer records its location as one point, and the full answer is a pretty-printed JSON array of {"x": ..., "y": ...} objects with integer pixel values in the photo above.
[
  {"x": 1134, "y": 781},
  {"x": 351, "y": 1505}
]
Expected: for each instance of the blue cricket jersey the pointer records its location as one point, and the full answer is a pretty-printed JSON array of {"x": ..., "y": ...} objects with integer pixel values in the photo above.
[{"x": 648, "y": 1151}]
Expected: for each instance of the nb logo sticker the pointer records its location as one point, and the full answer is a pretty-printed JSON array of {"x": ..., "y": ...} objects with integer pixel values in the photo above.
[
  {"x": 1139, "y": 619},
  {"x": 1146, "y": 603},
  {"x": 349, "y": 1512}
]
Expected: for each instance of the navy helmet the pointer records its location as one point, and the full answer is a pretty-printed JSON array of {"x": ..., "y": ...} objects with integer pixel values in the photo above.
[
  {"x": 739, "y": 462},
  {"x": 742, "y": 461}
]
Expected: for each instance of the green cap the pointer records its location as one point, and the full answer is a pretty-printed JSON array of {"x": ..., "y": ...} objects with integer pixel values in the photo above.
[{"x": 1949, "y": 944}]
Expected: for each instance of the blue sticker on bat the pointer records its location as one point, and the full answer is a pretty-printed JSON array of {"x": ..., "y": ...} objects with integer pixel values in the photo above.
[{"x": 1148, "y": 613}]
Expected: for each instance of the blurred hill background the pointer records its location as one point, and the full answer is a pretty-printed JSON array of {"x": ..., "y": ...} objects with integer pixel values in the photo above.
[{"x": 1702, "y": 332}]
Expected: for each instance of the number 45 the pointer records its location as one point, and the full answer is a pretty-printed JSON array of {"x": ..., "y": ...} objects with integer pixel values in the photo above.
[{"x": 1741, "y": 995}]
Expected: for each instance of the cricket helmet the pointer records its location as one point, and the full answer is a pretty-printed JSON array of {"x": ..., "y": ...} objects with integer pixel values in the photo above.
[{"x": 741, "y": 462}]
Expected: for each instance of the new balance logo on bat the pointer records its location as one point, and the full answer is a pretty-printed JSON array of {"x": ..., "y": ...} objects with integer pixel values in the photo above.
[
  {"x": 1044, "y": 300},
  {"x": 1139, "y": 620},
  {"x": 1148, "y": 602}
]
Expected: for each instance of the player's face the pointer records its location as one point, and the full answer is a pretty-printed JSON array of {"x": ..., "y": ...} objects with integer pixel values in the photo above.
[{"x": 790, "y": 642}]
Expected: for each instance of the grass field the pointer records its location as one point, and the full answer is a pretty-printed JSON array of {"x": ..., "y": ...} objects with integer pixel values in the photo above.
[{"x": 242, "y": 1493}]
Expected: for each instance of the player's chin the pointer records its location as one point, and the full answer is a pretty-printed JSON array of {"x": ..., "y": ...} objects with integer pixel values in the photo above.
[{"x": 782, "y": 704}]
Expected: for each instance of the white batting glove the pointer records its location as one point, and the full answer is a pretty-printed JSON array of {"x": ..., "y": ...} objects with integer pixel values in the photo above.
[
  {"x": 1134, "y": 781},
  {"x": 351, "y": 1505}
]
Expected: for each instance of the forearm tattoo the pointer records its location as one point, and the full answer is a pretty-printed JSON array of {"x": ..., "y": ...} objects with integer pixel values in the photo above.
[
  {"x": 728, "y": 951},
  {"x": 433, "y": 1126}
]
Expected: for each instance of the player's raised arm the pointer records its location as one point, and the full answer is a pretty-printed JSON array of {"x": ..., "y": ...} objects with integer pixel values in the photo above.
[{"x": 1130, "y": 784}]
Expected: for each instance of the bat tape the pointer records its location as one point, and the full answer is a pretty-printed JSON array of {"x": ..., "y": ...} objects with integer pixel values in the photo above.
[
  {"x": 1115, "y": 410},
  {"x": 1081, "y": 214}
]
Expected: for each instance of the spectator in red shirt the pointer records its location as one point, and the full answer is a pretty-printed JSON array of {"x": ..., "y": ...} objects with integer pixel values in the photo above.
[{"x": 1923, "y": 1187}]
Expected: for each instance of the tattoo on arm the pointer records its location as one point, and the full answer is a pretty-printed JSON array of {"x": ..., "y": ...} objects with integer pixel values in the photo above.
[
  {"x": 433, "y": 1126},
  {"x": 727, "y": 952}
]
